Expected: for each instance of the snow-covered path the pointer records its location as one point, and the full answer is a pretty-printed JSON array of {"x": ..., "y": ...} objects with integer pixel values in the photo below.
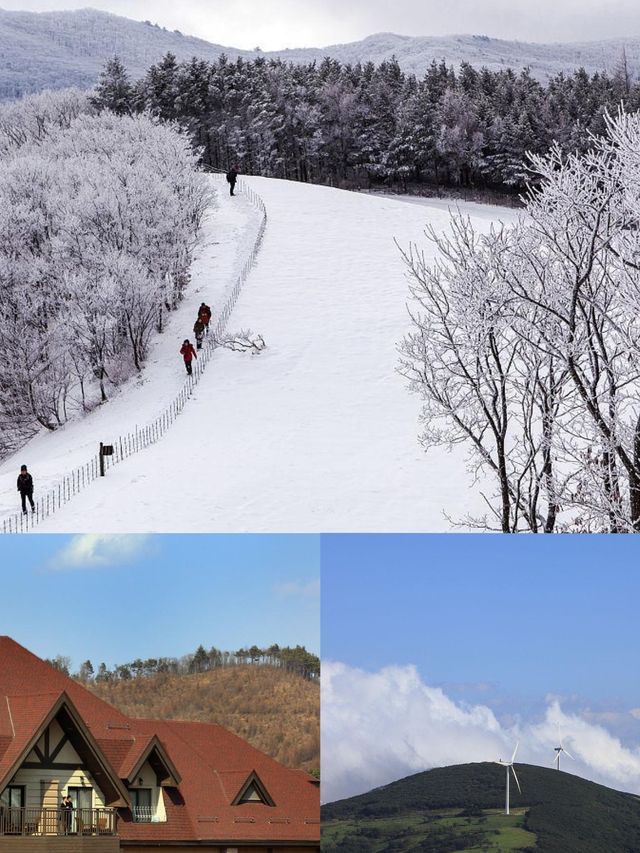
[
  {"x": 228, "y": 235},
  {"x": 318, "y": 433}
]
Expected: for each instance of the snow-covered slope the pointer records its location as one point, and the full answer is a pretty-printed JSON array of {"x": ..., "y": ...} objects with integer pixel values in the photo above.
[
  {"x": 415, "y": 53},
  {"x": 317, "y": 433},
  {"x": 41, "y": 50}
]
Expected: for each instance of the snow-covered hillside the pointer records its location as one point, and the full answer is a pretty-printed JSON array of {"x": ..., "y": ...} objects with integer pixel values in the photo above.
[
  {"x": 317, "y": 433},
  {"x": 415, "y": 53},
  {"x": 41, "y": 50},
  {"x": 57, "y": 49}
]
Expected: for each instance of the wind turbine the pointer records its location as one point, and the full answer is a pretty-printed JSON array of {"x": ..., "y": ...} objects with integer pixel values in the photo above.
[
  {"x": 507, "y": 765},
  {"x": 559, "y": 750}
]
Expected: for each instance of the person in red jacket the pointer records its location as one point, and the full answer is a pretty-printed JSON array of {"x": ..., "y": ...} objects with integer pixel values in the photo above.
[
  {"x": 204, "y": 315},
  {"x": 188, "y": 353}
]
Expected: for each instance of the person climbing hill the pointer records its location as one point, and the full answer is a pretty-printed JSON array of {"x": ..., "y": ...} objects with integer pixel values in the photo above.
[
  {"x": 25, "y": 487},
  {"x": 198, "y": 331},
  {"x": 188, "y": 354},
  {"x": 204, "y": 315},
  {"x": 232, "y": 177}
]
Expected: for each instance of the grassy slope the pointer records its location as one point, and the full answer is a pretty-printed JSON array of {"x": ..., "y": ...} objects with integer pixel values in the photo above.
[
  {"x": 276, "y": 711},
  {"x": 565, "y": 813},
  {"x": 429, "y": 832}
]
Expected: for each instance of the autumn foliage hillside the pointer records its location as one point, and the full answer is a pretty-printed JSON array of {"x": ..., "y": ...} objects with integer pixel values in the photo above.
[{"x": 276, "y": 711}]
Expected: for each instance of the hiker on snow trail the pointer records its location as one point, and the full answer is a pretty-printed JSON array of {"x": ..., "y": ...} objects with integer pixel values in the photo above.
[
  {"x": 25, "y": 487},
  {"x": 204, "y": 315},
  {"x": 232, "y": 177},
  {"x": 198, "y": 331},
  {"x": 188, "y": 353}
]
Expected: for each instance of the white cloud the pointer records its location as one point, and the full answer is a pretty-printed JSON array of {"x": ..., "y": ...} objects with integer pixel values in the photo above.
[
  {"x": 299, "y": 589},
  {"x": 381, "y": 726},
  {"x": 93, "y": 550}
]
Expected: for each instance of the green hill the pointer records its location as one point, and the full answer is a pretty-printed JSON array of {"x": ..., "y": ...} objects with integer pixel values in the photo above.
[{"x": 458, "y": 809}]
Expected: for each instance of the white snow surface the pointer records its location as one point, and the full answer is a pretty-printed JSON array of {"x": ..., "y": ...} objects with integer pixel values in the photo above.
[{"x": 316, "y": 434}]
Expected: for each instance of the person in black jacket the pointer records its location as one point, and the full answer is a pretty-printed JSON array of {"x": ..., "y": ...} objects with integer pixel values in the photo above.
[
  {"x": 25, "y": 487},
  {"x": 66, "y": 812},
  {"x": 232, "y": 177}
]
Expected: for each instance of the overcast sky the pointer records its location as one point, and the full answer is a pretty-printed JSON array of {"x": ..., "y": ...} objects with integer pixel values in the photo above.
[{"x": 275, "y": 24}]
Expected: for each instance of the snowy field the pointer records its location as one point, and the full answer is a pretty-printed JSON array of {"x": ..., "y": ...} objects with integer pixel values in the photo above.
[{"x": 317, "y": 433}]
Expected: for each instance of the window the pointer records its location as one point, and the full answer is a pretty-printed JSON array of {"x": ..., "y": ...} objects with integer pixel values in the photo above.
[
  {"x": 252, "y": 795},
  {"x": 13, "y": 797},
  {"x": 141, "y": 805},
  {"x": 82, "y": 813},
  {"x": 11, "y": 814}
]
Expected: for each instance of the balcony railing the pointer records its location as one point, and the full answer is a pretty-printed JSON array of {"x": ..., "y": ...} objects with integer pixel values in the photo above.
[
  {"x": 142, "y": 814},
  {"x": 34, "y": 820}
]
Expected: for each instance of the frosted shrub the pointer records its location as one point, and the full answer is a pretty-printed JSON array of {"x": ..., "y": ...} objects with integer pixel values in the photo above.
[{"x": 98, "y": 221}]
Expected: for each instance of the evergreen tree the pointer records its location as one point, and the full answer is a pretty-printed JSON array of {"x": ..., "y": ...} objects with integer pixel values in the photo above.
[{"x": 114, "y": 91}]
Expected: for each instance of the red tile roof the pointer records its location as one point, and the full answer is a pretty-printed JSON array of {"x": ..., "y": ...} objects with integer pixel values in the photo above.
[{"x": 213, "y": 762}]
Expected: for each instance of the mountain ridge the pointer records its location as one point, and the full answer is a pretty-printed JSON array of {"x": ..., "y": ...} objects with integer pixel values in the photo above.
[{"x": 41, "y": 50}]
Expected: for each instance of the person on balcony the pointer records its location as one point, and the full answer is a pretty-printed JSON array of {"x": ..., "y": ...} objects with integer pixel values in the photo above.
[{"x": 66, "y": 810}]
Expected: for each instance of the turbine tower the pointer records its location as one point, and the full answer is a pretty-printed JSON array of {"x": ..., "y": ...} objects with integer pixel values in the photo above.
[
  {"x": 559, "y": 750},
  {"x": 507, "y": 765}
]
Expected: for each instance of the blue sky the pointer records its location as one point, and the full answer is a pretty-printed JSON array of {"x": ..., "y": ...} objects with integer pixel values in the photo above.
[
  {"x": 117, "y": 598},
  {"x": 440, "y": 650},
  {"x": 501, "y": 615}
]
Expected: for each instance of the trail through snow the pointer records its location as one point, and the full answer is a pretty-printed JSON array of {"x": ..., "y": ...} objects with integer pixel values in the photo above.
[{"x": 319, "y": 432}]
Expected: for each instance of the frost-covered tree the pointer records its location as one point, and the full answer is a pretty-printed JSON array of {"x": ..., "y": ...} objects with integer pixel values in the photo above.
[
  {"x": 560, "y": 293},
  {"x": 99, "y": 219}
]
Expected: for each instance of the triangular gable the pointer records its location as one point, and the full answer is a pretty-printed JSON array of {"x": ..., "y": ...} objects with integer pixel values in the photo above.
[
  {"x": 165, "y": 770},
  {"x": 253, "y": 791},
  {"x": 82, "y": 741}
]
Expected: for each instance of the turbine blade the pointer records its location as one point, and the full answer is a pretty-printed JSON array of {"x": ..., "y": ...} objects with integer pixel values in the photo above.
[
  {"x": 513, "y": 757},
  {"x": 513, "y": 770},
  {"x": 568, "y": 753}
]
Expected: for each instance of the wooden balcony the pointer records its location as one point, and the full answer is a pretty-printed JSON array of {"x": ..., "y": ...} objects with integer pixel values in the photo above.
[{"x": 47, "y": 822}]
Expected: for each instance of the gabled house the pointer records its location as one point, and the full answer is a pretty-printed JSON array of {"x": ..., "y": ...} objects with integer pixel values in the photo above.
[{"x": 144, "y": 785}]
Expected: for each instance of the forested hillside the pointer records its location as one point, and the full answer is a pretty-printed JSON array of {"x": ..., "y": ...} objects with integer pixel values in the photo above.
[
  {"x": 269, "y": 696},
  {"x": 366, "y": 125},
  {"x": 55, "y": 50},
  {"x": 275, "y": 710},
  {"x": 455, "y": 808}
]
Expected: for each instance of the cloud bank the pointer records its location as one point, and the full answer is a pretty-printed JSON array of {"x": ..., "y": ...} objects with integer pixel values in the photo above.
[
  {"x": 382, "y": 726},
  {"x": 90, "y": 551}
]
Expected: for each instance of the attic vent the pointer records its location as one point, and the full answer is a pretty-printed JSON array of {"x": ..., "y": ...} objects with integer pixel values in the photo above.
[
  {"x": 279, "y": 820},
  {"x": 244, "y": 820},
  {"x": 205, "y": 819},
  {"x": 312, "y": 820},
  {"x": 122, "y": 726}
]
